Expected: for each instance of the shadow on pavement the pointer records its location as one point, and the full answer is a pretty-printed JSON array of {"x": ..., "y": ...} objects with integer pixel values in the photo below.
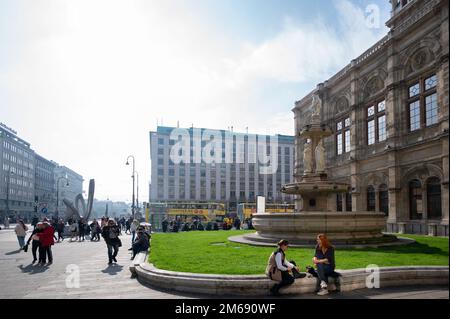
[
  {"x": 32, "y": 269},
  {"x": 14, "y": 252},
  {"x": 113, "y": 269}
]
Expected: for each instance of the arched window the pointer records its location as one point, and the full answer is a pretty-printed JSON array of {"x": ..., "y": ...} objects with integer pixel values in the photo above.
[
  {"x": 415, "y": 199},
  {"x": 370, "y": 199},
  {"x": 383, "y": 198},
  {"x": 434, "y": 208}
]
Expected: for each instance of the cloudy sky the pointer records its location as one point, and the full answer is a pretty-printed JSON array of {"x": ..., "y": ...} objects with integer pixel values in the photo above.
[{"x": 85, "y": 81}]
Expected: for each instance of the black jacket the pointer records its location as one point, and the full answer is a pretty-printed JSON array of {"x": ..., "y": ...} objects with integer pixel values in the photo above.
[{"x": 111, "y": 234}]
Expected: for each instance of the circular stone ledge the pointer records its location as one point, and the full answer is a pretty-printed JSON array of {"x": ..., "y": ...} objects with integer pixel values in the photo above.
[
  {"x": 259, "y": 285},
  {"x": 255, "y": 239}
]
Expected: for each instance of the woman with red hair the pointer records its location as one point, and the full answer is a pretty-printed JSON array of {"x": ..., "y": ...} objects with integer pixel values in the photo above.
[{"x": 324, "y": 261}]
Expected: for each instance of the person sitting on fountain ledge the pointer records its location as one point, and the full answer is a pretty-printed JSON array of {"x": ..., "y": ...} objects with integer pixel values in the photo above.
[
  {"x": 278, "y": 269},
  {"x": 325, "y": 263}
]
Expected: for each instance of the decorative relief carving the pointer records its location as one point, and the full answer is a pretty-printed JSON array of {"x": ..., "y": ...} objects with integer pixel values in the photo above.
[{"x": 373, "y": 86}]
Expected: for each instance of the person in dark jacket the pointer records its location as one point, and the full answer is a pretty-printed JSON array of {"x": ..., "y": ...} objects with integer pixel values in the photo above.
[
  {"x": 81, "y": 229},
  {"x": 95, "y": 230},
  {"x": 60, "y": 230},
  {"x": 142, "y": 242},
  {"x": 325, "y": 263},
  {"x": 35, "y": 243},
  {"x": 110, "y": 233}
]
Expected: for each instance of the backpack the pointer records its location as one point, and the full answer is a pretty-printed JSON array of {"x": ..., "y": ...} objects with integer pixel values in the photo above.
[{"x": 272, "y": 270}]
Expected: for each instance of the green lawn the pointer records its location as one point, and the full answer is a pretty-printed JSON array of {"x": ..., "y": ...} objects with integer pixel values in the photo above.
[{"x": 210, "y": 252}]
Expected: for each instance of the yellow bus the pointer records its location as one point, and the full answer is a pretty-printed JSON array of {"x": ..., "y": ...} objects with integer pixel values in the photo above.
[
  {"x": 246, "y": 210},
  {"x": 207, "y": 211}
]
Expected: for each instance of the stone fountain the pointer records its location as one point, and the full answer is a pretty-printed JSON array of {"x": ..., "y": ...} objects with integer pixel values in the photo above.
[{"x": 316, "y": 208}]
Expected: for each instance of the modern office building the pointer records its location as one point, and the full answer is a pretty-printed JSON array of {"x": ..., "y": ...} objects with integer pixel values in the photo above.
[
  {"x": 17, "y": 174},
  {"x": 389, "y": 112},
  {"x": 29, "y": 182},
  {"x": 219, "y": 166},
  {"x": 45, "y": 185}
]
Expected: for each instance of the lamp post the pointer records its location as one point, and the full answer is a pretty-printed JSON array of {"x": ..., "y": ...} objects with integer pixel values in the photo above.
[
  {"x": 57, "y": 193},
  {"x": 137, "y": 192},
  {"x": 132, "y": 203}
]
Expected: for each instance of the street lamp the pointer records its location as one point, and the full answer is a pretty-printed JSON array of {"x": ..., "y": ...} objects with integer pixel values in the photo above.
[
  {"x": 57, "y": 193},
  {"x": 132, "y": 203},
  {"x": 137, "y": 192}
]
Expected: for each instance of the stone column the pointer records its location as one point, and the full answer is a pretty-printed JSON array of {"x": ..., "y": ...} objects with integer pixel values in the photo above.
[
  {"x": 377, "y": 200},
  {"x": 344, "y": 202}
]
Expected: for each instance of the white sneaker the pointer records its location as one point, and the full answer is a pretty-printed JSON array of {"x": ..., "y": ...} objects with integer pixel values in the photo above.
[
  {"x": 323, "y": 285},
  {"x": 323, "y": 292}
]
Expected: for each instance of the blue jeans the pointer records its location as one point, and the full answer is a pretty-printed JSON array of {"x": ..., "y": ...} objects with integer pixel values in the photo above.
[
  {"x": 112, "y": 254},
  {"x": 133, "y": 233},
  {"x": 21, "y": 240},
  {"x": 323, "y": 271}
]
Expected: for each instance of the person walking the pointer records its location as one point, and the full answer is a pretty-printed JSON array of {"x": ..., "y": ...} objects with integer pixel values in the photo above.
[
  {"x": 128, "y": 225},
  {"x": 81, "y": 229},
  {"x": 60, "y": 230},
  {"x": 95, "y": 230},
  {"x": 134, "y": 226},
  {"x": 6, "y": 222},
  {"x": 47, "y": 240},
  {"x": 73, "y": 230},
  {"x": 111, "y": 235},
  {"x": 21, "y": 231},
  {"x": 35, "y": 242}
]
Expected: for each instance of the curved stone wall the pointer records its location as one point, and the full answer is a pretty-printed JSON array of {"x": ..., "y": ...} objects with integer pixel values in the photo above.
[{"x": 258, "y": 285}]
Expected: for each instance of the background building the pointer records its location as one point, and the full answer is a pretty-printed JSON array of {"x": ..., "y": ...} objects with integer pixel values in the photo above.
[
  {"x": 17, "y": 175},
  {"x": 28, "y": 181},
  {"x": 45, "y": 185},
  {"x": 230, "y": 183},
  {"x": 389, "y": 112}
]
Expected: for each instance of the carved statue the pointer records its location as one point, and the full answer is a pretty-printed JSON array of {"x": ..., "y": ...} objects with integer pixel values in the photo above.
[
  {"x": 307, "y": 158},
  {"x": 320, "y": 157},
  {"x": 317, "y": 104}
]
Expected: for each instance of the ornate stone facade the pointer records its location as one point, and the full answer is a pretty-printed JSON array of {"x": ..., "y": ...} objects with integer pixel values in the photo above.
[{"x": 388, "y": 110}]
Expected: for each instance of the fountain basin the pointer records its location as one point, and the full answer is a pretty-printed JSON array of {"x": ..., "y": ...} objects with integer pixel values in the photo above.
[{"x": 343, "y": 228}]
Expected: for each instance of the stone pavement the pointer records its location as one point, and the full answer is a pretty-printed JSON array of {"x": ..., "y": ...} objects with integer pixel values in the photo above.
[{"x": 20, "y": 279}]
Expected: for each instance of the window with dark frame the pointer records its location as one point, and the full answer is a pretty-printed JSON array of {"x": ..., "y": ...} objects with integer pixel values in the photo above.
[
  {"x": 343, "y": 136},
  {"x": 376, "y": 122},
  {"x": 422, "y": 103}
]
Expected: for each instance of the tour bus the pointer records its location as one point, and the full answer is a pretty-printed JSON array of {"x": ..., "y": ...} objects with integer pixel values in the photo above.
[
  {"x": 185, "y": 211},
  {"x": 205, "y": 211},
  {"x": 246, "y": 210}
]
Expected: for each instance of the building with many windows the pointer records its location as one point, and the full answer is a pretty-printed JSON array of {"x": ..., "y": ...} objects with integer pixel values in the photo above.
[
  {"x": 388, "y": 110},
  {"x": 17, "y": 174},
  {"x": 29, "y": 182},
  {"x": 45, "y": 185},
  {"x": 236, "y": 171}
]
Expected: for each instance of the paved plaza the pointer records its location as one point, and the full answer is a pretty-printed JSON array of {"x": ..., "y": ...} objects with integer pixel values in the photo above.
[{"x": 20, "y": 279}]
